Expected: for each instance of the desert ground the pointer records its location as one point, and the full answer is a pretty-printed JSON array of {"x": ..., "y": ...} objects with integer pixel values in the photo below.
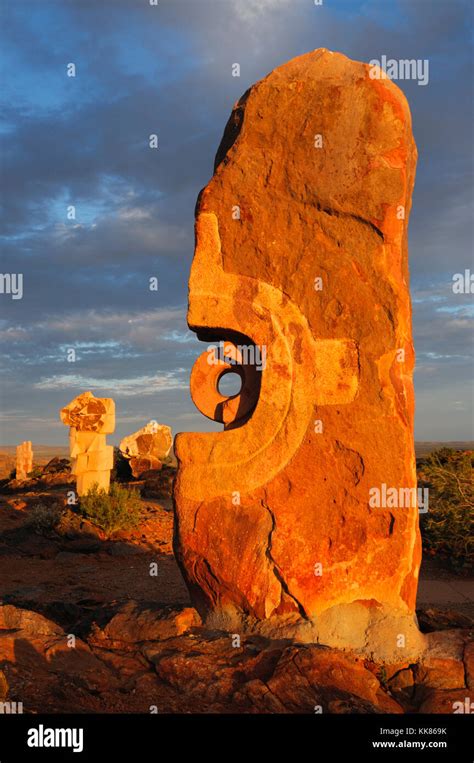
[{"x": 85, "y": 626}]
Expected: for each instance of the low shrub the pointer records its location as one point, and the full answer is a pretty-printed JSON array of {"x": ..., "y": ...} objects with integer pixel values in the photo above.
[
  {"x": 448, "y": 527},
  {"x": 45, "y": 518},
  {"x": 119, "y": 509}
]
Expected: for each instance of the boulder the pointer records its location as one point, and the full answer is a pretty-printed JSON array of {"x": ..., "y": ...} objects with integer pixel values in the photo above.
[
  {"x": 442, "y": 666},
  {"x": 134, "y": 624},
  {"x": 147, "y": 448},
  {"x": 26, "y": 622},
  {"x": 141, "y": 465},
  {"x": 57, "y": 465},
  {"x": 432, "y": 619},
  {"x": 447, "y": 702}
]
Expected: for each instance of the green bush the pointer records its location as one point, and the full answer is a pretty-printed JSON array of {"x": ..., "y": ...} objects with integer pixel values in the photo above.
[
  {"x": 448, "y": 526},
  {"x": 37, "y": 472},
  {"x": 44, "y": 519},
  {"x": 119, "y": 509}
]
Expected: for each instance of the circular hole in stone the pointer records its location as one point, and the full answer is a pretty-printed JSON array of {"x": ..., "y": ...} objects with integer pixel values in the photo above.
[{"x": 229, "y": 384}]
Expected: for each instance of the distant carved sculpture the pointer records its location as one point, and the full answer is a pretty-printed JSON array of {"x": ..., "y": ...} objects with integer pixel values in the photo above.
[
  {"x": 24, "y": 460},
  {"x": 147, "y": 448},
  {"x": 301, "y": 258},
  {"x": 91, "y": 419}
]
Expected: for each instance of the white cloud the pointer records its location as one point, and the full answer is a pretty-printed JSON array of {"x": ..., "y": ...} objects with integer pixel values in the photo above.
[
  {"x": 134, "y": 213},
  {"x": 138, "y": 385},
  {"x": 99, "y": 330},
  {"x": 249, "y": 10}
]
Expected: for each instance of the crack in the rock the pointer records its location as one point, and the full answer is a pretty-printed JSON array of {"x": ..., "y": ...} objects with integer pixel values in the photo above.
[
  {"x": 351, "y": 216},
  {"x": 276, "y": 571},
  {"x": 195, "y": 516}
]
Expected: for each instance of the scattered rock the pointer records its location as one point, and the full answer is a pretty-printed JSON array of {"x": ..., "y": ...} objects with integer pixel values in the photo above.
[
  {"x": 76, "y": 527},
  {"x": 402, "y": 680},
  {"x": 438, "y": 701},
  {"x": 328, "y": 671},
  {"x": 56, "y": 478},
  {"x": 57, "y": 465},
  {"x": 263, "y": 677},
  {"x": 133, "y": 624},
  {"x": 141, "y": 465},
  {"x": 130, "y": 658},
  {"x": 442, "y": 666},
  {"x": 432, "y": 619},
  {"x": 147, "y": 448},
  {"x": 26, "y": 622}
]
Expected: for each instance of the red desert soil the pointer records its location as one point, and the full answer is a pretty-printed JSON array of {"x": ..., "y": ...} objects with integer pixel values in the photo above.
[{"x": 78, "y": 565}]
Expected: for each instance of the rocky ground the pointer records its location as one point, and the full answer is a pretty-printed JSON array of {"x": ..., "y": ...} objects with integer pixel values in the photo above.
[{"x": 84, "y": 626}]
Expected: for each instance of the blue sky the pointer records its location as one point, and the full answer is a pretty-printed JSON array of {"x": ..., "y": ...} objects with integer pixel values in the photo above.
[{"x": 83, "y": 141}]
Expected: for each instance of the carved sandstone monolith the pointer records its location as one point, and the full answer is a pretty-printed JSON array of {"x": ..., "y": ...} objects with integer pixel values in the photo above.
[
  {"x": 147, "y": 448},
  {"x": 283, "y": 525},
  {"x": 24, "y": 460},
  {"x": 90, "y": 419}
]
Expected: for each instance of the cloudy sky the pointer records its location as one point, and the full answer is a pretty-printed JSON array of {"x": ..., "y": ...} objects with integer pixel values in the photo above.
[{"x": 83, "y": 141}]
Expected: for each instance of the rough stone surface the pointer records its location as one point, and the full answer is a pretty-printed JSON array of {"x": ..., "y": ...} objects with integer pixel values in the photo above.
[
  {"x": 147, "y": 448},
  {"x": 29, "y": 623},
  {"x": 432, "y": 619},
  {"x": 139, "y": 658},
  {"x": 90, "y": 419},
  {"x": 301, "y": 252},
  {"x": 442, "y": 664},
  {"x": 57, "y": 466},
  {"x": 132, "y": 625},
  {"x": 402, "y": 685},
  {"x": 24, "y": 460},
  {"x": 141, "y": 465},
  {"x": 446, "y": 702}
]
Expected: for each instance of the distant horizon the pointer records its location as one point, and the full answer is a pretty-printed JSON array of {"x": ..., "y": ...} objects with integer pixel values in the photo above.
[{"x": 116, "y": 443}]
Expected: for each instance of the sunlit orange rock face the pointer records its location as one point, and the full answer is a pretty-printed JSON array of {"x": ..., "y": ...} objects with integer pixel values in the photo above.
[{"x": 301, "y": 271}]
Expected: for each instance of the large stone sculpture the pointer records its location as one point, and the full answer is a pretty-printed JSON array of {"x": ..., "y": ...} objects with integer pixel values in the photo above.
[
  {"x": 91, "y": 419},
  {"x": 147, "y": 448},
  {"x": 24, "y": 460},
  {"x": 301, "y": 258}
]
